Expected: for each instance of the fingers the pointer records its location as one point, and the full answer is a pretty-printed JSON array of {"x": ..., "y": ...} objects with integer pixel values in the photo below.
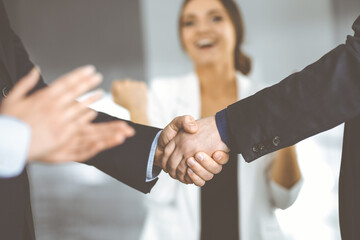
[
  {"x": 208, "y": 163},
  {"x": 26, "y": 84},
  {"x": 221, "y": 157},
  {"x": 190, "y": 125},
  {"x": 76, "y": 110},
  {"x": 107, "y": 134},
  {"x": 174, "y": 162},
  {"x": 169, "y": 149},
  {"x": 75, "y": 84},
  {"x": 88, "y": 116},
  {"x": 199, "y": 170},
  {"x": 208, "y": 167},
  {"x": 181, "y": 171},
  {"x": 202, "y": 168},
  {"x": 99, "y": 137},
  {"x": 117, "y": 129},
  {"x": 93, "y": 98},
  {"x": 76, "y": 127},
  {"x": 185, "y": 122},
  {"x": 187, "y": 178},
  {"x": 83, "y": 85},
  {"x": 195, "y": 178},
  {"x": 69, "y": 79},
  {"x": 72, "y": 113}
]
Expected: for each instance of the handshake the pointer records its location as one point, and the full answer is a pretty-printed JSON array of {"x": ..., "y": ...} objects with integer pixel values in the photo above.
[
  {"x": 191, "y": 151},
  {"x": 63, "y": 130}
]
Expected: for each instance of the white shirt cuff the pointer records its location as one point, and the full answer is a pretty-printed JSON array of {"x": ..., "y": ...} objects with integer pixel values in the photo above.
[
  {"x": 151, "y": 171},
  {"x": 15, "y": 141}
]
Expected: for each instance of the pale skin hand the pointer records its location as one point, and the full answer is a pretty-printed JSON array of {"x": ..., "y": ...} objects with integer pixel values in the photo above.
[
  {"x": 90, "y": 140},
  {"x": 203, "y": 168},
  {"x": 174, "y": 135},
  {"x": 185, "y": 145},
  {"x": 132, "y": 95},
  {"x": 285, "y": 170},
  {"x": 55, "y": 118}
]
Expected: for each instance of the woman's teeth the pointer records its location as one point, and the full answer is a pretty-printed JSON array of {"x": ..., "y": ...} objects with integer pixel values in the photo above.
[{"x": 203, "y": 43}]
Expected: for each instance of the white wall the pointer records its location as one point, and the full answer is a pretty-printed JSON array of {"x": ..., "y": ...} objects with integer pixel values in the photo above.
[{"x": 163, "y": 55}]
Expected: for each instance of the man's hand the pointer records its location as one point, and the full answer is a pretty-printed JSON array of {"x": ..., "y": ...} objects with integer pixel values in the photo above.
[
  {"x": 203, "y": 169},
  {"x": 184, "y": 123},
  {"x": 185, "y": 145},
  {"x": 57, "y": 120},
  {"x": 89, "y": 141}
]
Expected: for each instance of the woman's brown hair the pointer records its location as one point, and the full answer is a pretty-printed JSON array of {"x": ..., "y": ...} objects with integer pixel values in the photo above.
[{"x": 242, "y": 61}]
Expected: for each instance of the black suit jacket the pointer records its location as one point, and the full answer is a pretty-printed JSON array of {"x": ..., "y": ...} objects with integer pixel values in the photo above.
[
  {"x": 321, "y": 96},
  {"x": 126, "y": 162}
]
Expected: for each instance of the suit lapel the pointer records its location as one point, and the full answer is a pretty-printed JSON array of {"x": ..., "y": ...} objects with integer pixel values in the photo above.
[
  {"x": 7, "y": 57},
  {"x": 8, "y": 60}
]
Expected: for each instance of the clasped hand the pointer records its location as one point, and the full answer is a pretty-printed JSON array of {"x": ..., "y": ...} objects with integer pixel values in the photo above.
[{"x": 191, "y": 151}]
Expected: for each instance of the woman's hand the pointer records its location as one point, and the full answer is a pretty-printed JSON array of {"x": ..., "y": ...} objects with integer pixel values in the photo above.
[{"x": 131, "y": 95}]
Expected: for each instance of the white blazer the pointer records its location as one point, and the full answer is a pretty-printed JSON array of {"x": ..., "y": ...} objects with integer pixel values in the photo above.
[{"x": 173, "y": 209}]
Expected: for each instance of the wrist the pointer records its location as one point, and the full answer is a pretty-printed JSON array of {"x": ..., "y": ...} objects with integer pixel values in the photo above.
[
  {"x": 137, "y": 111},
  {"x": 221, "y": 127},
  {"x": 157, "y": 158},
  {"x": 139, "y": 118}
]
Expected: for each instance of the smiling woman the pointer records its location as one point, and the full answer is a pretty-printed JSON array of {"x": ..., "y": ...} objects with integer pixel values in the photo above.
[
  {"x": 211, "y": 33},
  {"x": 218, "y": 18}
]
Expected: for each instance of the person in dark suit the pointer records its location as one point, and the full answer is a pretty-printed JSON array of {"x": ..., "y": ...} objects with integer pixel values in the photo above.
[
  {"x": 321, "y": 96},
  {"x": 35, "y": 130},
  {"x": 15, "y": 209},
  {"x": 127, "y": 163}
]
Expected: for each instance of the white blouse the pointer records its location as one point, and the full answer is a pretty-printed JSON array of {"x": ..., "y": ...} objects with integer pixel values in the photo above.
[{"x": 173, "y": 208}]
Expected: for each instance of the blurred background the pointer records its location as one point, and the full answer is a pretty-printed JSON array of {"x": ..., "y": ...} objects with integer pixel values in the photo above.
[{"x": 138, "y": 39}]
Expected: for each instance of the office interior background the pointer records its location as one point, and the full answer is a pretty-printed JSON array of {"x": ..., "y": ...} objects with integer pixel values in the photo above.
[{"x": 138, "y": 39}]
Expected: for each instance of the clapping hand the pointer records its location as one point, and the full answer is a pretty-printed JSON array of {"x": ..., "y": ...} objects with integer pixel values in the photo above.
[{"x": 62, "y": 128}]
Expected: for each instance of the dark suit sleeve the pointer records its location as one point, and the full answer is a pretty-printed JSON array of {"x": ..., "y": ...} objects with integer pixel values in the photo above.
[
  {"x": 126, "y": 162},
  {"x": 321, "y": 96},
  {"x": 22, "y": 61}
]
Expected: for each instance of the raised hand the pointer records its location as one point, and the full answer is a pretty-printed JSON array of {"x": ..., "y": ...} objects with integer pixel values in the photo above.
[
  {"x": 132, "y": 95},
  {"x": 185, "y": 145}
]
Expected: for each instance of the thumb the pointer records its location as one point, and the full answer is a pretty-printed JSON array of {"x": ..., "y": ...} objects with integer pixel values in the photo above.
[
  {"x": 221, "y": 157},
  {"x": 190, "y": 125},
  {"x": 26, "y": 84},
  {"x": 186, "y": 123}
]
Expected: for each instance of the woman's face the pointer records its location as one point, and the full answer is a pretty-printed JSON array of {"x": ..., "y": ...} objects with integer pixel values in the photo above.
[{"x": 207, "y": 32}]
